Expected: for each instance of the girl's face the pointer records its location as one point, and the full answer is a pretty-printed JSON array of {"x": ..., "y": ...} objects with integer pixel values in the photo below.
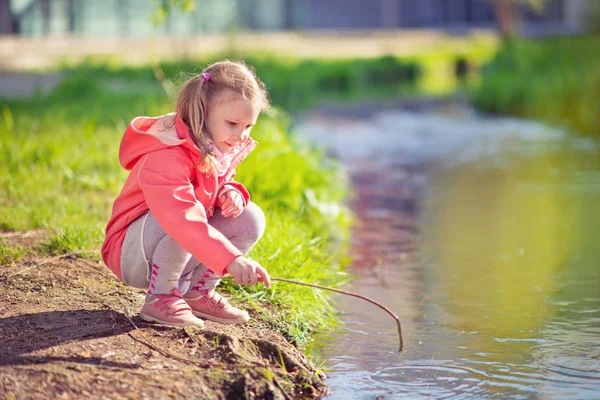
[{"x": 230, "y": 118}]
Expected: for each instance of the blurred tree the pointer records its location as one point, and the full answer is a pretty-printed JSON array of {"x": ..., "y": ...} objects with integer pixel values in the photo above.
[
  {"x": 507, "y": 14},
  {"x": 592, "y": 17},
  {"x": 162, "y": 12},
  {"x": 45, "y": 8},
  {"x": 6, "y": 18}
]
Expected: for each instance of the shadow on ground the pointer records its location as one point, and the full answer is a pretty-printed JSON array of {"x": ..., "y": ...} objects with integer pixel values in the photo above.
[{"x": 30, "y": 333}]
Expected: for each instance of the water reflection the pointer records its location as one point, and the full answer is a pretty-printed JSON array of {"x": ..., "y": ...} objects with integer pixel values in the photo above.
[
  {"x": 496, "y": 277},
  {"x": 512, "y": 253}
]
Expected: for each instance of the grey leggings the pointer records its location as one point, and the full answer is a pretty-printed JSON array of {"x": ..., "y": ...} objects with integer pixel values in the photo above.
[{"x": 150, "y": 257}]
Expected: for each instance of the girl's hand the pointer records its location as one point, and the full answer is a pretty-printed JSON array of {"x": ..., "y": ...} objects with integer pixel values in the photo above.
[
  {"x": 248, "y": 272},
  {"x": 232, "y": 203}
]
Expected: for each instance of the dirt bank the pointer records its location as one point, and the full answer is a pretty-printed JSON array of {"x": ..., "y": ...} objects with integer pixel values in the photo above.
[{"x": 68, "y": 329}]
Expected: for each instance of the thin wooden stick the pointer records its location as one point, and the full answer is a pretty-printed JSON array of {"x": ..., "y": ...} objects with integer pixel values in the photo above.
[
  {"x": 353, "y": 295},
  {"x": 24, "y": 234},
  {"x": 41, "y": 263}
]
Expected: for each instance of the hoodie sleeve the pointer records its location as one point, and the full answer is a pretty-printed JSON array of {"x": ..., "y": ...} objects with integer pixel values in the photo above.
[
  {"x": 165, "y": 181},
  {"x": 233, "y": 185}
]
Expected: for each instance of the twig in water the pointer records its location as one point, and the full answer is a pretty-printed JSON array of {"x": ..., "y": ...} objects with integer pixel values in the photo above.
[{"x": 353, "y": 295}]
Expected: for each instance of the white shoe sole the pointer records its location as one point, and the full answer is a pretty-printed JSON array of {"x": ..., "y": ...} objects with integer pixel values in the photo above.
[
  {"x": 149, "y": 318},
  {"x": 221, "y": 320}
]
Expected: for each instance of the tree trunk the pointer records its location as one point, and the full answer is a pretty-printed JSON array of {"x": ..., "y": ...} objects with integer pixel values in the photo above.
[
  {"x": 45, "y": 7},
  {"x": 6, "y": 18},
  {"x": 507, "y": 17},
  {"x": 71, "y": 17}
]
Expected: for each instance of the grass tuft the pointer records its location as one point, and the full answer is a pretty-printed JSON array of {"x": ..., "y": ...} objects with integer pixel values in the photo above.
[
  {"x": 10, "y": 253},
  {"x": 63, "y": 243}
]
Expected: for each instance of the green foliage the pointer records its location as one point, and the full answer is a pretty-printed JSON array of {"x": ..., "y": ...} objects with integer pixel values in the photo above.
[
  {"x": 537, "y": 5},
  {"x": 556, "y": 80},
  {"x": 592, "y": 16},
  {"x": 301, "y": 83},
  {"x": 292, "y": 83},
  {"x": 162, "y": 12}
]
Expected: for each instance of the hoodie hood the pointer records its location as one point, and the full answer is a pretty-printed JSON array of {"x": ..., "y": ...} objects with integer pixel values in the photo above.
[{"x": 148, "y": 134}]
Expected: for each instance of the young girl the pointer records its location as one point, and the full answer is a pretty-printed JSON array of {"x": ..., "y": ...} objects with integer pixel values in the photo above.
[{"x": 181, "y": 222}]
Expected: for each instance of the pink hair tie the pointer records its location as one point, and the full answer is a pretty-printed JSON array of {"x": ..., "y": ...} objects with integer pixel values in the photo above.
[{"x": 206, "y": 76}]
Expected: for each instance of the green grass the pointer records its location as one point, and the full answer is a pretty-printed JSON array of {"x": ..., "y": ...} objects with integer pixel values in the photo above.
[
  {"x": 10, "y": 253},
  {"x": 60, "y": 172},
  {"x": 555, "y": 80},
  {"x": 292, "y": 82}
]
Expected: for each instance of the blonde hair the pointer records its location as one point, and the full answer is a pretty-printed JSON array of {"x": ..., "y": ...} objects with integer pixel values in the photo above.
[{"x": 196, "y": 93}]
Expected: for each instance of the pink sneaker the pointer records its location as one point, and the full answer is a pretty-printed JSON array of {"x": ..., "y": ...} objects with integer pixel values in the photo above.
[
  {"x": 169, "y": 309},
  {"x": 209, "y": 304}
]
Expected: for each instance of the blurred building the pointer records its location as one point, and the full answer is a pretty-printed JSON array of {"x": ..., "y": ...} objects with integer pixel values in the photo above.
[{"x": 110, "y": 18}]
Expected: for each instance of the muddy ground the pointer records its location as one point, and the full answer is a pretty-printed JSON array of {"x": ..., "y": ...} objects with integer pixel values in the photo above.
[{"x": 69, "y": 330}]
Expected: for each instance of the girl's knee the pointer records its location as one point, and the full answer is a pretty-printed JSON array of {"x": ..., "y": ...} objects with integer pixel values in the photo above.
[
  {"x": 245, "y": 230},
  {"x": 254, "y": 221}
]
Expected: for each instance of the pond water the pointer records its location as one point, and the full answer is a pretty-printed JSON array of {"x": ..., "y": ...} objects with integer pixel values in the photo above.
[{"x": 483, "y": 236}]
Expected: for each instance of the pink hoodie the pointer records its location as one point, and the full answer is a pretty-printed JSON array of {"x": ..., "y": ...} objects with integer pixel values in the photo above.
[{"x": 164, "y": 179}]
